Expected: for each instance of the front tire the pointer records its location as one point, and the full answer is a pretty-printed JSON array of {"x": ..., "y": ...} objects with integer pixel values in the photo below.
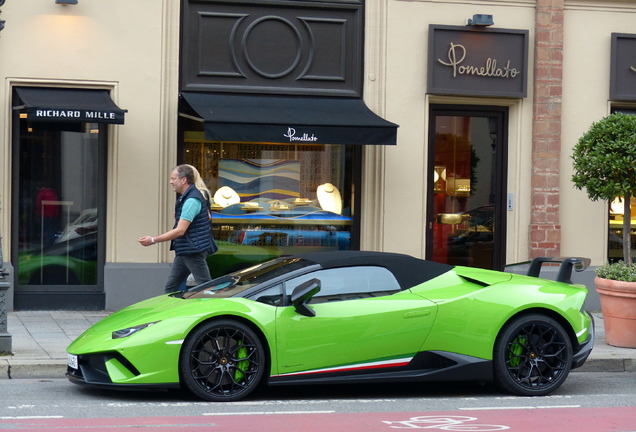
[
  {"x": 222, "y": 360},
  {"x": 533, "y": 356}
]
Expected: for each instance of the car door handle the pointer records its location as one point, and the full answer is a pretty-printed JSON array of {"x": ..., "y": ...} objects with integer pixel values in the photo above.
[{"x": 416, "y": 314}]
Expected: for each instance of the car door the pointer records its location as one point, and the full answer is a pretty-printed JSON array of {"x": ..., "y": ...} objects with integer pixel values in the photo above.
[{"x": 362, "y": 317}]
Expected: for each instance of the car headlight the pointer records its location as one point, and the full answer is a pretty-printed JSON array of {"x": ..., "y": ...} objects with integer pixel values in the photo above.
[{"x": 131, "y": 330}]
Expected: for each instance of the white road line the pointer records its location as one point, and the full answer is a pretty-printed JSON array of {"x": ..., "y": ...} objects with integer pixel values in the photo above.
[
  {"x": 518, "y": 407},
  {"x": 268, "y": 413},
  {"x": 30, "y": 417}
]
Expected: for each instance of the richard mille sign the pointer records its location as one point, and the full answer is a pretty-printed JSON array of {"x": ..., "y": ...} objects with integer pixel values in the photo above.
[
  {"x": 484, "y": 62},
  {"x": 49, "y": 114}
]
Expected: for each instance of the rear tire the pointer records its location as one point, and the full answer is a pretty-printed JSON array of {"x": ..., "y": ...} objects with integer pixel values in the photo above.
[
  {"x": 533, "y": 356},
  {"x": 222, "y": 360}
]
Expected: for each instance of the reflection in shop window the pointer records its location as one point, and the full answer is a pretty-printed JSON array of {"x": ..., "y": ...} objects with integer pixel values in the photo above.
[
  {"x": 58, "y": 197},
  {"x": 275, "y": 199},
  {"x": 615, "y": 239}
]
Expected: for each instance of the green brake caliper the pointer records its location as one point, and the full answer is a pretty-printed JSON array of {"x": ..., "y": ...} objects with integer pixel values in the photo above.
[
  {"x": 242, "y": 365},
  {"x": 516, "y": 349}
]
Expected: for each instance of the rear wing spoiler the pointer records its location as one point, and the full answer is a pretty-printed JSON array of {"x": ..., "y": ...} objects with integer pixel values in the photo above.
[{"x": 565, "y": 270}]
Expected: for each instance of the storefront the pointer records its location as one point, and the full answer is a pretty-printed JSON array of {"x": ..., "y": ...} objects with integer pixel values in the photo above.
[
  {"x": 271, "y": 113},
  {"x": 467, "y": 196},
  {"x": 59, "y": 150},
  {"x": 80, "y": 113}
]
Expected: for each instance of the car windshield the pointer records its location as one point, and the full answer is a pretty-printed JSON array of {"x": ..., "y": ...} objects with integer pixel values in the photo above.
[{"x": 235, "y": 283}]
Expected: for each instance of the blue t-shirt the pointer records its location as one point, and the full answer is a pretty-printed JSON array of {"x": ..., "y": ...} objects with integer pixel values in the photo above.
[{"x": 190, "y": 209}]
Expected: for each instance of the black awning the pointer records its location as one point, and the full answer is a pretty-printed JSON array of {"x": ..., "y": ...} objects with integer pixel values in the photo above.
[
  {"x": 288, "y": 119},
  {"x": 69, "y": 105}
]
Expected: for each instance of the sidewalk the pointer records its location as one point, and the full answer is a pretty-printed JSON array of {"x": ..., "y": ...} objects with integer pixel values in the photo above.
[{"x": 40, "y": 339}]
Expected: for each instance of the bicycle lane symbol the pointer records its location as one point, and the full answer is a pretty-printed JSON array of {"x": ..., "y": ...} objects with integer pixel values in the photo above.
[{"x": 449, "y": 423}]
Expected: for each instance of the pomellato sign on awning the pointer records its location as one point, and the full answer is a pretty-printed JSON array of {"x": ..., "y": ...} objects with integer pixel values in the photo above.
[{"x": 477, "y": 62}]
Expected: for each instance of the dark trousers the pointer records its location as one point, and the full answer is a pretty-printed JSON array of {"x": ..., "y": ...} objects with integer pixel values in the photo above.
[{"x": 183, "y": 265}]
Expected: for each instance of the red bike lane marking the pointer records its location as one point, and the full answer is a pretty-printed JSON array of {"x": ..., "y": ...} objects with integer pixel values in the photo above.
[{"x": 619, "y": 419}]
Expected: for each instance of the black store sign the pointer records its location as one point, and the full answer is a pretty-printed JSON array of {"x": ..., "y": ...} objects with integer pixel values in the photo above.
[
  {"x": 623, "y": 67},
  {"x": 477, "y": 62},
  {"x": 275, "y": 47}
]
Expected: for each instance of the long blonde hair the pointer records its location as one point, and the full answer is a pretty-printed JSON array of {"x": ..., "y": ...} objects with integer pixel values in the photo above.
[{"x": 192, "y": 176}]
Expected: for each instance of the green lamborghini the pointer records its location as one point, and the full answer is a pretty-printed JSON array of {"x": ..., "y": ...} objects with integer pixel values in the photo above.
[{"x": 345, "y": 317}]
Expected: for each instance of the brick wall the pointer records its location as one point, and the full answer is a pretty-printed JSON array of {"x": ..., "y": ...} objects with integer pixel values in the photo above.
[{"x": 545, "y": 229}]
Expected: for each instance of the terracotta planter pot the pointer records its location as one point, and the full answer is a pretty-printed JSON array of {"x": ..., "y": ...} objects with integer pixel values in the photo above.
[{"x": 618, "y": 303}]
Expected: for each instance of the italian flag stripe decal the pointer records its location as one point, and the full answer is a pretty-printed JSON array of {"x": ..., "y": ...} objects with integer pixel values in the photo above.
[{"x": 355, "y": 367}]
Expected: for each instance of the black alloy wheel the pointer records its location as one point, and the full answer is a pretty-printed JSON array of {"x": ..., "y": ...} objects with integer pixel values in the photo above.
[
  {"x": 533, "y": 356},
  {"x": 222, "y": 360}
]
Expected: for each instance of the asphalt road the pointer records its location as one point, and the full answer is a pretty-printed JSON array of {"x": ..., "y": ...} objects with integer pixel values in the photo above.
[{"x": 586, "y": 402}]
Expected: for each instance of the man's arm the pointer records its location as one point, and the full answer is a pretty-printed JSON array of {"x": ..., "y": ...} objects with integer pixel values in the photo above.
[
  {"x": 191, "y": 208},
  {"x": 180, "y": 230}
]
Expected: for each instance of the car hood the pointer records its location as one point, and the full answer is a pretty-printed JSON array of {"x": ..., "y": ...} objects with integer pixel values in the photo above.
[
  {"x": 174, "y": 318},
  {"x": 153, "y": 309}
]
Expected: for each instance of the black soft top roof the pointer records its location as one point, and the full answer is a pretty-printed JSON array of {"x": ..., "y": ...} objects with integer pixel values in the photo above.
[{"x": 409, "y": 271}]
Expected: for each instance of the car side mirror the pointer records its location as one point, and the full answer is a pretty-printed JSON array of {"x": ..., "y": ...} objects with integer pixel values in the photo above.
[{"x": 302, "y": 294}]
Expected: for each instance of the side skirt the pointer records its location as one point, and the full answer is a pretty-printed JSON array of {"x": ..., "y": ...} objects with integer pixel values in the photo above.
[{"x": 424, "y": 366}]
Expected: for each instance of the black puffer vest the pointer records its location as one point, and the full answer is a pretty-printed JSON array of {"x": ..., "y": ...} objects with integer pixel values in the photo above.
[{"x": 198, "y": 236}]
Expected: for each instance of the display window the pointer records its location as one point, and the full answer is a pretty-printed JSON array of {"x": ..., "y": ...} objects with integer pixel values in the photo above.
[
  {"x": 58, "y": 204},
  {"x": 615, "y": 239},
  {"x": 616, "y": 216},
  {"x": 270, "y": 200}
]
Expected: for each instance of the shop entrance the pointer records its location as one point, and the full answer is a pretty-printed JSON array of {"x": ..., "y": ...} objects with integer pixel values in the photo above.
[
  {"x": 467, "y": 186},
  {"x": 59, "y": 196}
]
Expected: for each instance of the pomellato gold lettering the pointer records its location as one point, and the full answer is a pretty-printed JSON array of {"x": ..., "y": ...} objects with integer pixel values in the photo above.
[{"x": 457, "y": 54}]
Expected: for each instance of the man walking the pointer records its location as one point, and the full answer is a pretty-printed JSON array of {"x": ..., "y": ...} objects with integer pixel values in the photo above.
[{"x": 191, "y": 236}]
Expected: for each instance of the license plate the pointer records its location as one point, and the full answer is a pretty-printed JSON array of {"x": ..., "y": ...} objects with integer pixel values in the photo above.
[{"x": 72, "y": 361}]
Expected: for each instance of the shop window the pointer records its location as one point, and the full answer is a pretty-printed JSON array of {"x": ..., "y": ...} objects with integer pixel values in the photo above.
[
  {"x": 615, "y": 240},
  {"x": 274, "y": 199},
  {"x": 58, "y": 201},
  {"x": 616, "y": 211}
]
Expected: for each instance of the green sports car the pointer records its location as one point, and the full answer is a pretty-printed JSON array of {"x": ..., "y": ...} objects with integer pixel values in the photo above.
[{"x": 343, "y": 317}]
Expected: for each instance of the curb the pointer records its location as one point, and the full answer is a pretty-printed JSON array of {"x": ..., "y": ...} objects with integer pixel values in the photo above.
[
  {"x": 32, "y": 369},
  {"x": 608, "y": 365}
]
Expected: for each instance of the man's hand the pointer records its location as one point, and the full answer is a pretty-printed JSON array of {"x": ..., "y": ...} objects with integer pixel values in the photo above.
[{"x": 145, "y": 241}]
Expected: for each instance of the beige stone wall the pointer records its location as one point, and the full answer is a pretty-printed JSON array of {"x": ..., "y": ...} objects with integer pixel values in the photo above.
[
  {"x": 405, "y": 66},
  {"x": 130, "y": 48},
  {"x": 396, "y": 56},
  {"x": 586, "y": 69}
]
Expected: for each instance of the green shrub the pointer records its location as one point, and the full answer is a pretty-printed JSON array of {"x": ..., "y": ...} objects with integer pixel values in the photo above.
[
  {"x": 617, "y": 271},
  {"x": 605, "y": 166}
]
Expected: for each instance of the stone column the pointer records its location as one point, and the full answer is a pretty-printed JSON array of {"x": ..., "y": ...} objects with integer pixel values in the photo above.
[{"x": 545, "y": 228}]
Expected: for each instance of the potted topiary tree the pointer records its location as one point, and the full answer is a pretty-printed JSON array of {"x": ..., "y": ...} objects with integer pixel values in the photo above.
[{"x": 605, "y": 166}]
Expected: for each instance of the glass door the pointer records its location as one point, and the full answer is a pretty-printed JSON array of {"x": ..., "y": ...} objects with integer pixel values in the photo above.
[{"x": 467, "y": 185}]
